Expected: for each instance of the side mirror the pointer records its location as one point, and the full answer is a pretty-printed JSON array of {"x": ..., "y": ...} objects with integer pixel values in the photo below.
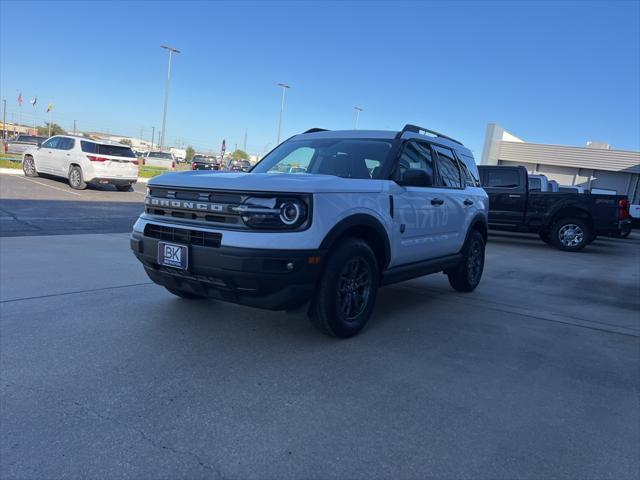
[{"x": 415, "y": 177}]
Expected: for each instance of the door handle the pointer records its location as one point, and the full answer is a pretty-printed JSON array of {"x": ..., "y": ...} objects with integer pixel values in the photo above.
[
  {"x": 514, "y": 196},
  {"x": 437, "y": 201},
  {"x": 468, "y": 202}
]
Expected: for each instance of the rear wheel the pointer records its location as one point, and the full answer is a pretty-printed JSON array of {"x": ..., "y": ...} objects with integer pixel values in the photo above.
[
  {"x": 123, "y": 188},
  {"x": 75, "y": 178},
  {"x": 570, "y": 234},
  {"x": 29, "y": 167},
  {"x": 182, "y": 294},
  {"x": 347, "y": 290},
  {"x": 466, "y": 276}
]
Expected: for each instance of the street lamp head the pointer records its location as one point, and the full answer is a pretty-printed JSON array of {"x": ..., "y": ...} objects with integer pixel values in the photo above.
[
  {"x": 175, "y": 50},
  {"x": 284, "y": 85},
  {"x": 359, "y": 109}
]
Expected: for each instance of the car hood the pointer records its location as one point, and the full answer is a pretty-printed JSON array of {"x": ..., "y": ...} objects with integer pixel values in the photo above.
[{"x": 266, "y": 182}]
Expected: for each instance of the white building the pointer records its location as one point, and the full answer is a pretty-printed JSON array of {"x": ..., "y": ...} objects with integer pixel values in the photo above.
[{"x": 593, "y": 166}]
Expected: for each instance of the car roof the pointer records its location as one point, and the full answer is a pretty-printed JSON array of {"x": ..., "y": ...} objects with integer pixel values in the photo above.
[{"x": 383, "y": 135}]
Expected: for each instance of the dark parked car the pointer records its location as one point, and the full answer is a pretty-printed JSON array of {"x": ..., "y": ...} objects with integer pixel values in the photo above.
[
  {"x": 240, "y": 166},
  {"x": 569, "y": 221},
  {"x": 204, "y": 162}
]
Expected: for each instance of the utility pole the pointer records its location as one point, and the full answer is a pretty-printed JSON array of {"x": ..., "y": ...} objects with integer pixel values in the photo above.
[
  {"x": 166, "y": 91},
  {"x": 358, "y": 110},
  {"x": 245, "y": 140},
  {"x": 74, "y": 127},
  {"x": 153, "y": 134},
  {"x": 284, "y": 87},
  {"x": 4, "y": 119}
]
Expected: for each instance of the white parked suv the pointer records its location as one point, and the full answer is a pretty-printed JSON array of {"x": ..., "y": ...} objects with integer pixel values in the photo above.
[
  {"x": 83, "y": 160},
  {"x": 361, "y": 209}
]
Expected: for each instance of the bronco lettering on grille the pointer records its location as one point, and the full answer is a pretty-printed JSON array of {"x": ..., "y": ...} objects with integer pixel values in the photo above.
[{"x": 184, "y": 205}]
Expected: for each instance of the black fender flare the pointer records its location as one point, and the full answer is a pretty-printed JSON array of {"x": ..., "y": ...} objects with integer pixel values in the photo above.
[
  {"x": 355, "y": 221},
  {"x": 481, "y": 220}
]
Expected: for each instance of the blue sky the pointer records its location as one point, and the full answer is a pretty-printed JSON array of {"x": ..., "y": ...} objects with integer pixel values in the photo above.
[{"x": 549, "y": 72}]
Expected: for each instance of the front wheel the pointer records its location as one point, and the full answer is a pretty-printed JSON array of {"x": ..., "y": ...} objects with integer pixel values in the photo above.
[
  {"x": 75, "y": 179},
  {"x": 29, "y": 167},
  {"x": 123, "y": 188},
  {"x": 466, "y": 276},
  {"x": 570, "y": 234},
  {"x": 347, "y": 290}
]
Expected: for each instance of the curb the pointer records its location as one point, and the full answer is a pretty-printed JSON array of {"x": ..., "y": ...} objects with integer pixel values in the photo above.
[
  {"x": 17, "y": 171},
  {"x": 11, "y": 171}
]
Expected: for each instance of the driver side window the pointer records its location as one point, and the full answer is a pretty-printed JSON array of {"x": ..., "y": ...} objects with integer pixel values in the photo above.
[
  {"x": 416, "y": 156},
  {"x": 51, "y": 143}
]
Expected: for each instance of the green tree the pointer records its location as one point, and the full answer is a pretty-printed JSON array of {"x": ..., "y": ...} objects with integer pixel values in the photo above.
[
  {"x": 55, "y": 130},
  {"x": 190, "y": 152},
  {"x": 240, "y": 155},
  {"x": 125, "y": 141}
]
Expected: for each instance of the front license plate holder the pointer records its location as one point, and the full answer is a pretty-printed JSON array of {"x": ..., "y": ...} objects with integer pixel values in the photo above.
[{"x": 173, "y": 255}]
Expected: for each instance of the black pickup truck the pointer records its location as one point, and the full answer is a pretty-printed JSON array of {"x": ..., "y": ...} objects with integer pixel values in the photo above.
[{"x": 569, "y": 221}]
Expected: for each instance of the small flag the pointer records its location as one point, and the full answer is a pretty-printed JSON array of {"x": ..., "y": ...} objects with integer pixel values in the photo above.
[
  {"x": 49, "y": 107},
  {"x": 20, "y": 99},
  {"x": 34, "y": 101}
]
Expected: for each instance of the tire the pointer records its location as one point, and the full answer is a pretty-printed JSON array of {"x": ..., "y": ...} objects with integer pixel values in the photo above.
[
  {"x": 347, "y": 289},
  {"x": 123, "y": 188},
  {"x": 570, "y": 234},
  {"x": 29, "y": 167},
  {"x": 466, "y": 276},
  {"x": 182, "y": 294},
  {"x": 75, "y": 178},
  {"x": 545, "y": 236}
]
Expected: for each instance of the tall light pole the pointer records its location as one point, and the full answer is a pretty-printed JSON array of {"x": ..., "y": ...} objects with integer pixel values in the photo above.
[
  {"x": 284, "y": 87},
  {"x": 166, "y": 91},
  {"x": 153, "y": 136},
  {"x": 358, "y": 110}
]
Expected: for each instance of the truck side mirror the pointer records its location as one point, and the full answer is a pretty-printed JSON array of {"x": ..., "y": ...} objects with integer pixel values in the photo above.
[{"x": 415, "y": 177}]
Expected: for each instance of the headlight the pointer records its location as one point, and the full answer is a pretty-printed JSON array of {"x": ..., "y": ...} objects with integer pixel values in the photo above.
[{"x": 274, "y": 213}]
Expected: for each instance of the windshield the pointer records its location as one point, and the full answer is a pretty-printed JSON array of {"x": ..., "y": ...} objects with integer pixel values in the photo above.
[
  {"x": 349, "y": 158},
  {"x": 203, "y": 159},
  {"x": 159, "y": 155}
]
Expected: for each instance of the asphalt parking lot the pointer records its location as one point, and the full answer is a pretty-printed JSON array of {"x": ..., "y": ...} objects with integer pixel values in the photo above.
[{"x": 105, "y": 375}]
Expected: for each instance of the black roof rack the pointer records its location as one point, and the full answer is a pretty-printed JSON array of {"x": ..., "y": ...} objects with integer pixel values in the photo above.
[
  {"x": 314, "y": 130},
  {"x": 416, "y": 129}
]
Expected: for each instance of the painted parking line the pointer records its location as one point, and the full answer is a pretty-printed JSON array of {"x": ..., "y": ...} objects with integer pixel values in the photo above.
[{"x": 50, "y": 186}]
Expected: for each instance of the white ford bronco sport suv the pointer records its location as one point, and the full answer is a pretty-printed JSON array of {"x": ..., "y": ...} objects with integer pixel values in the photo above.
[{"x": 366, "y": 209}]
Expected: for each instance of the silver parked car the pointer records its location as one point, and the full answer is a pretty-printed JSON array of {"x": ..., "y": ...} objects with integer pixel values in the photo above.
[{"x": 22, "y": 142}]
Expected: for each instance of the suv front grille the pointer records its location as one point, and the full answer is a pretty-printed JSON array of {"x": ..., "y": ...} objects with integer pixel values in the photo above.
[
  {"x": 183, "y": 235},
  {"x": 199, "y": 206}
]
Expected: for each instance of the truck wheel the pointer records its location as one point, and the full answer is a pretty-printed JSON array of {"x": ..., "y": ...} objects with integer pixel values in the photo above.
[
  {"x": 545, "y": 236},
  {"x": 466, "y": 276},
  {"x": 75, "y": 178},
  {"x": 570, "y": 234},
  {"x": 347, "y": 290},
  {"x": 123, "y": 188},
  {"x": 29, "y": 167},
  {"x": 182, "y": 294}
]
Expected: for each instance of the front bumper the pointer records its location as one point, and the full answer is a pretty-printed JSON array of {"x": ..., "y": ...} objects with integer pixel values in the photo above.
[{"x": 269, "y": 279}]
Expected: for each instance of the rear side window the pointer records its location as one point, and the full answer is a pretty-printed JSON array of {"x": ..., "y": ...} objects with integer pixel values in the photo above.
[
  {"x": 448, "y": 168},
  {"x": 502, "y": 179},
  {"x": 470, "y": 176},
  {"x": 101, "y": 149}
]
